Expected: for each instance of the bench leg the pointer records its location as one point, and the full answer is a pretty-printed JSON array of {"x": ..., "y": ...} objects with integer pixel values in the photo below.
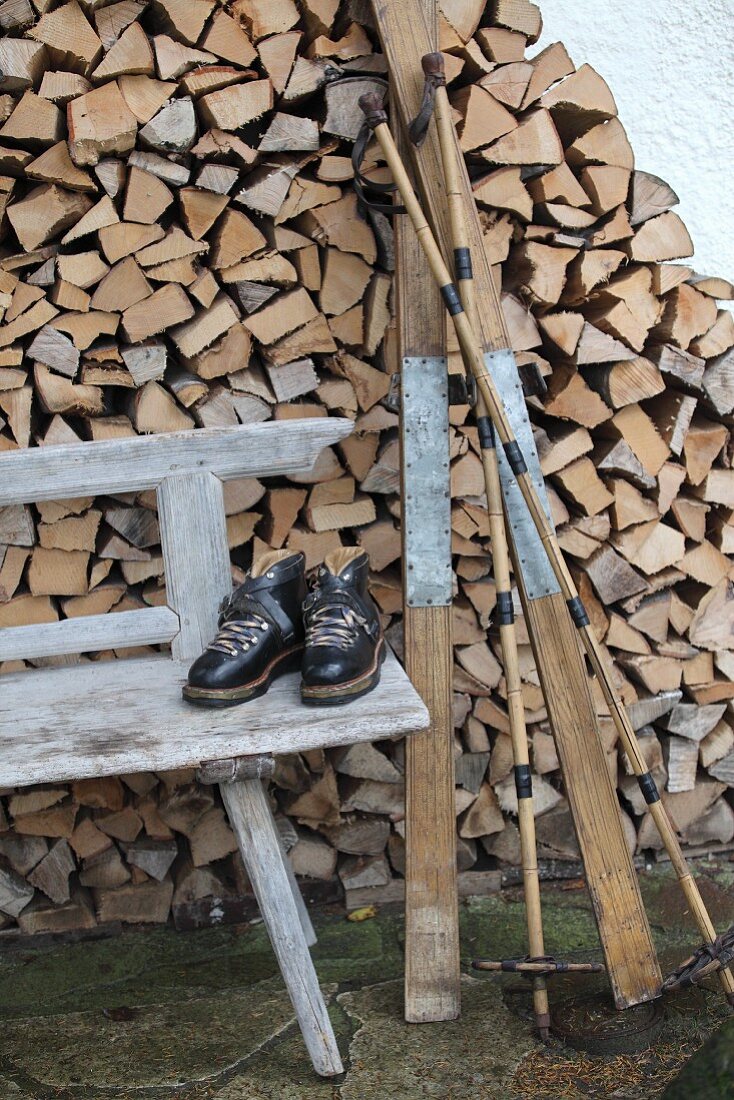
[
  {"x": 250, "y": 817},
  {"x": 308, "y": 928}
]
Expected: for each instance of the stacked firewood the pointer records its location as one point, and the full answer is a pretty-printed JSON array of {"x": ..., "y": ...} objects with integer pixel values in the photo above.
[{"x": 181, "y": 246}]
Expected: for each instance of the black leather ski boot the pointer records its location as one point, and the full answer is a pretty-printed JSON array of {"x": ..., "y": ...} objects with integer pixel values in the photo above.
[
  {"x": 260, "y": 634},
  {"x": 344, "y": 643}
]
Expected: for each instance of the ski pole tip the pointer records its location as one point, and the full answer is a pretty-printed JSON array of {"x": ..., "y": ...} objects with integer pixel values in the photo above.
[
  {"x": 433, "y": 64},
  {"x": 371, "y": 105}
]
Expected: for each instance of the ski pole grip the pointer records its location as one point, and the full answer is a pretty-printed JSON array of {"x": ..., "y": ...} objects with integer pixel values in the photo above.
[
  {"x": 433, "y": 67},
  {"x": 372, "y": 107}
]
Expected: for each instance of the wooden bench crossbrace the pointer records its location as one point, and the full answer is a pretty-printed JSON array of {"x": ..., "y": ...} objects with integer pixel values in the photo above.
[{"x": 90, "y": 633}]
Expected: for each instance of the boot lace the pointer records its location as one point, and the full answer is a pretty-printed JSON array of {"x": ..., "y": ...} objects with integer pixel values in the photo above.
[
  {"x": 332, "y": 624},
  {"x": 237, "y": 635}
]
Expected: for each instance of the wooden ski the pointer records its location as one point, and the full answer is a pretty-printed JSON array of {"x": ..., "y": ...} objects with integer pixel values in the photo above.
[
  {"x": 623, "y": 926},
  {"x": 432, "y": 971}
]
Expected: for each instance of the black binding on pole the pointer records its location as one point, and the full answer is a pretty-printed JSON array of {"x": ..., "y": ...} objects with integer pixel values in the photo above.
[
  {"x": 462, "y": 265},
  {"x": 451, "y": 299},
  {"x": 515, "y": 458},
  {"x": 486, "y": 433},
  {"x": 578, "y": 612},
  {"x": 504, "y": 610},
  {"x": 523, "y": 781},
  {"x": 649, "y": 788}
]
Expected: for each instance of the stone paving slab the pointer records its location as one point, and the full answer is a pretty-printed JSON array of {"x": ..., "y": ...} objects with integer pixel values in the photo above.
[
  {"x": 153, "y": 1045},
  {"x": 473, "y": 1058},
  {"x": 160, "y": 1015}
]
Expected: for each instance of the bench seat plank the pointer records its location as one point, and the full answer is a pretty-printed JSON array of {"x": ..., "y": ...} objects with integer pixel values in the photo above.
[{"x": 117, "y": 717}]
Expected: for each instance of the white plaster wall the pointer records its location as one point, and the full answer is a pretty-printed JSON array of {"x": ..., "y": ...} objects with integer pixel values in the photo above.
[{"x": 670, "y": 66}]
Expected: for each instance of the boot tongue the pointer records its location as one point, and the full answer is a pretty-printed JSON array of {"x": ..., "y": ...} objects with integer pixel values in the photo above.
[
  {"x": 342, "y": 567},
  {"x": 272, "y": 570}
]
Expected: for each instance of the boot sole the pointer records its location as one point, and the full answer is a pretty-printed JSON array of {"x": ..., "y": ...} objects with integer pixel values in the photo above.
[
  {"x": 338, "y": 694},
  {"x": 243, "y": 693}
]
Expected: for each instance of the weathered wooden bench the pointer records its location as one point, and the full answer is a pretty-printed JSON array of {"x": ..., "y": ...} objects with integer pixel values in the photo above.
[{"x": 101, "y": 718}]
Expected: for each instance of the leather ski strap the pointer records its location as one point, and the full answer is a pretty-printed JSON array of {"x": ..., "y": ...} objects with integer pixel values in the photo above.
[
  {"x": 435, "y": 78},
  {"x": 362, "y": 183}
]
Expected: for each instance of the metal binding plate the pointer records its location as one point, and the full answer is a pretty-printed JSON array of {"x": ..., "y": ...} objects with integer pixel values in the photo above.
[
  {"x": 426, "y": 504},
  {"x": 537, "y": 573}
]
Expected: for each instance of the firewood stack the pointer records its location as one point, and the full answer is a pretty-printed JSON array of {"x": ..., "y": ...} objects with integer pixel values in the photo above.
[{"x": 181, "y": 246}]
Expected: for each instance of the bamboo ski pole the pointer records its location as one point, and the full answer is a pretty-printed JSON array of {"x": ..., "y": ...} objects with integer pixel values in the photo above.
[
  {"x": 376, "y": 119},
  {"x": 516, "y": 713},
  {"x": 501, "y": 562}
]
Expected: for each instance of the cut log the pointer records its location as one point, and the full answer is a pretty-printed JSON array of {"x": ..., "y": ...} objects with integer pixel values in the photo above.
[
  {"x": 205, "y": 327},
  {"x": 51, "y": 348},
  {"x": 534, "y": 142},
  {"x": 173, "y": 129},
  {"x": 22, "y": 64},
  {"x": 612, "y": 577},
  {"x": 51, "y": 875},
  {"x": 130, "y": 55},
  {"x": 520, "y": 16},
  {"x": 71, "y": 42},
  {"x": 58, "y": 572},
  {"x": 146, "y": 361},
  {"x": 59, "y": 395},
  {"x": 568, "y": 397},
  {"x": 146, "y": 197},
  {"x": 156, "y": 410},
  {"x": 288, "y": 132},
  {"x": 56, "y": 166},
  {"x": 605, "y": 143},
  {"x": 649, "y": 197},
  {"x": 235, "y": 106},
  {"x": 15, "y": 893},
  {"x": 482, "y": 118},
  {"x": 549, "y": 66},
  {"x": 144, "y": 903},
  {"x": 185, "y": 19},
  {"x": 664, "y": 237},
  {"x": 45, "y": 212},
  {"x": 718, "y": 384},
  {"x": 35, "y": 122},
  {"x": 122, "y": 287},
  {"x": 100, "y": 123},
  {"x": 162, "y": 309}
]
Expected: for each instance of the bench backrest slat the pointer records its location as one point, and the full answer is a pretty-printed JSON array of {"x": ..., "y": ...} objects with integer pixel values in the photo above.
[{"x": 130, "y": 465}]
